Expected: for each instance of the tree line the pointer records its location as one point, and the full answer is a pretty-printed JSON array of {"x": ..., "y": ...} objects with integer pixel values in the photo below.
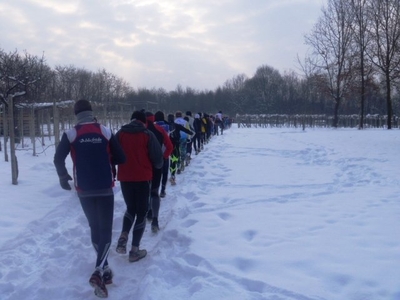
[{"x": 352, "y": 67}]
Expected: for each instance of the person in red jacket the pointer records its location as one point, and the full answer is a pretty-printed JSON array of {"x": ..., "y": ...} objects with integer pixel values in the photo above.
[
  {"x": 143, "y": 154},
  {"x": 166, "y": 144}
]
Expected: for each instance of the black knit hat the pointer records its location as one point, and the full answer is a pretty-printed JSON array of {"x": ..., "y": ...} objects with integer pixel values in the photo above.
[
  {"x": 159, "y": 116},
  {"x": 139, "y": 115},
  {"x": 82, "y": 105}
]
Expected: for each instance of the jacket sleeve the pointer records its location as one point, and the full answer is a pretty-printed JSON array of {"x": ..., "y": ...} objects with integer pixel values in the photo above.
[
  {"x": 61, "y": 154},
  {"x": 184, "y": 129},
  {"x": 168, "y": 145},
  {"x": 117, "y": 154},
  {"x": 155, "y": 152}
]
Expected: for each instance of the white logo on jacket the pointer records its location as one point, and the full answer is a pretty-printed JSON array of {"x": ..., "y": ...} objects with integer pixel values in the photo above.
[{"x": 91, "y": 140}]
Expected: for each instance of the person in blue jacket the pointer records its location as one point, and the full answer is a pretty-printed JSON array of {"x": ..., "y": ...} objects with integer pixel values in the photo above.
[{"x": 94, "y": 151}]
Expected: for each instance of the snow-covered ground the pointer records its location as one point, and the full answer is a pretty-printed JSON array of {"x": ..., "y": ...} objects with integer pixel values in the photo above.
[{"x": 261, "y": 213}]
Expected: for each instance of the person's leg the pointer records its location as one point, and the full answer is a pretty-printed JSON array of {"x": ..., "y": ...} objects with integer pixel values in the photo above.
[
  {"x": 155, "y": 198},
  {"x": 188, "y": 151},
  {"x": 154, "y": 194},
  {"x": 198, "y": 141},
  {"x": 164, "y": 177},
  {"x": 105, "y": 213},
  {"x": 141, "y": 203},
  {"x": 182, "y": 149},
  {"x": 128, "y": 190},
  {"x": 89, "y": 208},
  {"x": 195, "y": 145},
  {"x": 174, "y": 163},
  {"x": 129, "y": 194},
  {"x": 99, "y": 212}
]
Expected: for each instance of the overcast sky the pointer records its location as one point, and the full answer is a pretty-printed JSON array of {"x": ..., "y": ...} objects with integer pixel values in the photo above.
[{"x": 162, "y": 43}]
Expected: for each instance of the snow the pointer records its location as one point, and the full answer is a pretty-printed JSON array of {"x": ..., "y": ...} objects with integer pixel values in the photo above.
[{"x": 261, "y": 213}]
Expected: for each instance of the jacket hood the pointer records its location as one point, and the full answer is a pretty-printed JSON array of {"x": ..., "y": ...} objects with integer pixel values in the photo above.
[
  {"x": 134, "y": 127},
  {"x": 150, "y": 118}
]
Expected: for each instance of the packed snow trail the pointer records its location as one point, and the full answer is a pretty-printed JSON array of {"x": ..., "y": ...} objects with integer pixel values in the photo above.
[{"x": 259, "y": 214}]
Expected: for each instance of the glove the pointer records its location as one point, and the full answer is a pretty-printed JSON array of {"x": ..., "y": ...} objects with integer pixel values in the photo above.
[{"x": 64, "y": 182}]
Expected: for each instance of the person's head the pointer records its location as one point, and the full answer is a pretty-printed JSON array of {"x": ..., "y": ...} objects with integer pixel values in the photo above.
[
  {"x": 82, "y": 105},
  {"x": 139, "y": 115},
  {"x": 186, "y": 118},
  {"x": 197, "y": 116},
  {"x": 189, "y": 113},
  {"x": 178, "y": 114},
  {"x": 159, "y": 116},
  {"x": 171, "y": 118},
  {"x": 149, "y": 116}
]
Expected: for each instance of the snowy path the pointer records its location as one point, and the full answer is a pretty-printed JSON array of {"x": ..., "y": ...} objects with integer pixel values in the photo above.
[{"x": 259, "y": 214}]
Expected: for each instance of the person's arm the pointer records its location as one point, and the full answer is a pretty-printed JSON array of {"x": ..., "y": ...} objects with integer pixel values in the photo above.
[
  {"x": 61, "y": 154},
  {"x": 117, "y": 154},
  {"x": 168, "y": 145},
  {"x": 182, "y": 128},
  {"x": 155, "y": 152}
]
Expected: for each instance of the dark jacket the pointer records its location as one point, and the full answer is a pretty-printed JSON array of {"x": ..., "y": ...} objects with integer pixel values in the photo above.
[
  {"x": 175, "y": 133},
  {"x": 162, "y": 137},
  {"x": 94, "y": 149},
  {"x": 197, "y": 125},
  {"x": 143, "y": 152}
]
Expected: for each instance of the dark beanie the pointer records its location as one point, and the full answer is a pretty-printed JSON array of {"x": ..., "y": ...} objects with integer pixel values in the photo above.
[
  {"x": 82, "y": 105},
  {"x": 139, "y": 115},
  {"x": 159, "y": 116}
]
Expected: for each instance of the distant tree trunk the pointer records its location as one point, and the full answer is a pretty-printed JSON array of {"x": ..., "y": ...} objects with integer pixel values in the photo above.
[
  {"x": 21, "y": 127},
  {"x": 5, "y": 131},
  {"x": 361, "y": 124},
  {"x": 33, "y": 131},
  {"x": 336, "y": 113},
  {"x": 389, "y": 101},
  {"x": 14, "y": 166}
]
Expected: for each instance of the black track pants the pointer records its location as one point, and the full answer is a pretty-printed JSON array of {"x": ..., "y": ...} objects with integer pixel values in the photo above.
[{"x": 99, "y": 212}]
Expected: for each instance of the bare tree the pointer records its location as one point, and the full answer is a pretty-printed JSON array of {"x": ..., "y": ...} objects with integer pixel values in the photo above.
[
  {"x": 265, "y": 90},
  {"x": 362, "y": 39},
  {"x": 235, "y": 91},
  {"x": 17, "y": 73},
  {"x": 383, "y": 52},
  {"x": 331, "y": 43}
]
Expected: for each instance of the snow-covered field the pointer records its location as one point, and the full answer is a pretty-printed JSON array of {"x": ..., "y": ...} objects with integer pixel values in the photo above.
[{"x": 261, "y": 213}]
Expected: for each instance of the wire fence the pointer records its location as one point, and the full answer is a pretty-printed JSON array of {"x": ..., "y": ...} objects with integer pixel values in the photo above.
[{"x": 344, "y": 121}]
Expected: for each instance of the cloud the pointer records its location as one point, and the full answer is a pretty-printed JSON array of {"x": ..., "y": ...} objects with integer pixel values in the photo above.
[{"x": 194, "y": 43}]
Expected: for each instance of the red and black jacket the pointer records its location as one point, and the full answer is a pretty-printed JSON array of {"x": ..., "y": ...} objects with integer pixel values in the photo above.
[
  {"x": 142, "y": 150},
  {"x": 93, "y": 150}
]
